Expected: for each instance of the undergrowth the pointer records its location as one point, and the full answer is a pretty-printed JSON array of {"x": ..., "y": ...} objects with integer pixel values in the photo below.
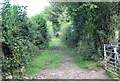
[
  {"x": 45, "y": 59},
  {"x": 85, "y": 64}
]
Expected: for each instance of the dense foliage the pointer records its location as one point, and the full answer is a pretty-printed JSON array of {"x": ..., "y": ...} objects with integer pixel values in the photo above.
[
  {"x": 89, "y": 25},
  {"x": 39, "y": 31},
  {"x": 21, "y": 37},
  {"x": 52, "y": 13},
  {"x": 84, "y": 26}
]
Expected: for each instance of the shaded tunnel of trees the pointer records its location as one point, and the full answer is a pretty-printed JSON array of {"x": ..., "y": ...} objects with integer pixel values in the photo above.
[{"x": 81, "y": 25}]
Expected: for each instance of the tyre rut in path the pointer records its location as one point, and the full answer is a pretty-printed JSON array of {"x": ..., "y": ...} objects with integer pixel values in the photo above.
[{"x": 69, "y": 70}]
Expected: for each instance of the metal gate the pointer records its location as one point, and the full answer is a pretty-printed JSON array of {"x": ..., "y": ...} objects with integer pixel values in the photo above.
[{"x": 112, "y": 59}]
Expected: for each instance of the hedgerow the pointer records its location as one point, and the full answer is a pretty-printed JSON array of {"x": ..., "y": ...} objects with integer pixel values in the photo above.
[{"x": 21, "y": 37}]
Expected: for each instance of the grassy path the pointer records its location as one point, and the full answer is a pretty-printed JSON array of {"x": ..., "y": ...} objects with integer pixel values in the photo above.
[{"x": 66, "y": 67}]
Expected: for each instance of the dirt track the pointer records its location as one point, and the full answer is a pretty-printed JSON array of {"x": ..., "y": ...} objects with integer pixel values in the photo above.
[{"x": 69, "y": 70}]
